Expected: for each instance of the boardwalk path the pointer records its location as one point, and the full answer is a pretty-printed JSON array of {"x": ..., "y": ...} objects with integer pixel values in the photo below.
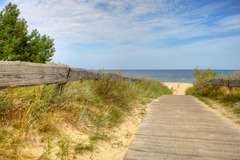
[{"x": 180, "y": 127}]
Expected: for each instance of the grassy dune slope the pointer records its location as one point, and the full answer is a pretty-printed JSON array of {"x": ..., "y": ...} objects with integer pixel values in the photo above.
[
  {"x": 51, "y": 122},
  {"x": 227, "y": 97}
]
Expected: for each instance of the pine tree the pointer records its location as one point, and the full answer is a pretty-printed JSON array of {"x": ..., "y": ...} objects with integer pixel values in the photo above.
[{"x": 16, "y": 44}]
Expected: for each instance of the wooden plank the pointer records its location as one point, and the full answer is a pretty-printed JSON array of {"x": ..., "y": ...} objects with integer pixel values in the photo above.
[
  {"x": 16, "y": 73},
  {"x": 234, "y": 83},
  {"x": 181, "y": 127},
  {"x": 222, "y": 82},
  {"x": 76, "y": 74}
]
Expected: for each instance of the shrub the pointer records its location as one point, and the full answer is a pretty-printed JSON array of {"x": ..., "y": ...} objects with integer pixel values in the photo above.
[
  {"x": 203, "y": 75},
  {"x": 225, "y": 95}
]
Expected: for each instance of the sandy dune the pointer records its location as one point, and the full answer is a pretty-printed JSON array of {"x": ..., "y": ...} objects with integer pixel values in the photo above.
[
  {"x": 123, "y": 135},
  {"x": 178, "y": 88}
]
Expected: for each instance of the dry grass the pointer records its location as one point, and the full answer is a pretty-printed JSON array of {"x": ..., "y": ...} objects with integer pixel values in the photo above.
[
  {"x": 228, "y": 97},
  {"x": 43, "y": 121}
]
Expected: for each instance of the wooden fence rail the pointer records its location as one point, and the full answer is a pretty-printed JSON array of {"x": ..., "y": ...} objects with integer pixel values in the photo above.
[
  {"x": 222, "y": 82},
  {"x": 16, "y": 74}
]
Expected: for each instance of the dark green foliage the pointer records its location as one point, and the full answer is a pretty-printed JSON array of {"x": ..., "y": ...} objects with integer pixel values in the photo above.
[{"x": 16, "y": 44}]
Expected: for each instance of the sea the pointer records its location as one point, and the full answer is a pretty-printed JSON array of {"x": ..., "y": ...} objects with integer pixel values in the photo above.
[{"x": 184, "y": 76}]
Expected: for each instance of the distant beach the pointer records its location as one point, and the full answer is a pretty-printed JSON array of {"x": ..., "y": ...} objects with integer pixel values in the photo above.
[
  {"x": 178, "y": 88},
  {"x": 183, "y": 76}
]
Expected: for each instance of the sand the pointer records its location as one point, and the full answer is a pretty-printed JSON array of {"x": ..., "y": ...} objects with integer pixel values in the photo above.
[
  {"x": 122, "y": 136},
  {"x": 177, "y": 87}
]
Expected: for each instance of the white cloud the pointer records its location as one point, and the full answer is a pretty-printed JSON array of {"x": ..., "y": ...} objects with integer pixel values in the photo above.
[
  {"x": 132, "y": 21},
  {"x": 231, "y": 22},
  {"x": 129, "y": 26}
]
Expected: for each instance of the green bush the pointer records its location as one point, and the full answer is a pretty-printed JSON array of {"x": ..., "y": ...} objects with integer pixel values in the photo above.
[
  {"x": 201, "y": 77},
  {"x": 227, "y": 96}
]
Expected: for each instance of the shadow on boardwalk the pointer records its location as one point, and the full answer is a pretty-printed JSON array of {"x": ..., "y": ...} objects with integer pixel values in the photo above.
[{"x": 180, "y": 127}]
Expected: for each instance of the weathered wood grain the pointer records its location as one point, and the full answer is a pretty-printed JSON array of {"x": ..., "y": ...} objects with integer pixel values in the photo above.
[
  {"x": 222, "y": 82},
  {"x": 77, "y": 74},
  {"x": 181, "y": 127},
  {"x": 17, "y": 73}
]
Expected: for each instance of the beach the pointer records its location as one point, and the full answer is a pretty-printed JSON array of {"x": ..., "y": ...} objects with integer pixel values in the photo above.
[{"x": 177, "y": 87}]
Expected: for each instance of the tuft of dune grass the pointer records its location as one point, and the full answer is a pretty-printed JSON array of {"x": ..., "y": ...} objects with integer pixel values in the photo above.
[
  {"x": 89, "y": 107},
  {"x": 228, "y": 96}
]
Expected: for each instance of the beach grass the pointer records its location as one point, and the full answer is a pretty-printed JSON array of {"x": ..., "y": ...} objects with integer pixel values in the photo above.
[
  {"x": 227, "y": 96},
  {"x": 55, "y": 121}
]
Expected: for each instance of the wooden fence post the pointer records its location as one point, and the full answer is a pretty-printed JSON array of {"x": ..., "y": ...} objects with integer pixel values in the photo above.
[{"x": 60, "y": 86}]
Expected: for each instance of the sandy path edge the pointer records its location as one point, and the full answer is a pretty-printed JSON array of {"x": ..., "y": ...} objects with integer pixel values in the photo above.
[
  {"x": 123, "y": 135},
  {"x": 224, "y": 112}
]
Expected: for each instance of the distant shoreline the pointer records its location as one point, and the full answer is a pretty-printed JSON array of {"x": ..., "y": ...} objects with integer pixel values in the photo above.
[{"x": 182, "y": 76}]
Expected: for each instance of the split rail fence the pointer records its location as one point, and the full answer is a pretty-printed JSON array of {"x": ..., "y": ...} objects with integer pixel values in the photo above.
[
  {"x": 222, "y": 82},
  {"x": 16, "y": 74}
]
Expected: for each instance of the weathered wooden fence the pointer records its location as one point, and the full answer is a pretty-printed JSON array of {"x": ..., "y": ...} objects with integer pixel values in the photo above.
[
  {"x": 16, "y": 74},
  {"x": 222, "y": 82}
]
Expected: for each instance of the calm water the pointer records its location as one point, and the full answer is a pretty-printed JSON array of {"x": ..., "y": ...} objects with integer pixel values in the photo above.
[{"x": 165, "y": 75}]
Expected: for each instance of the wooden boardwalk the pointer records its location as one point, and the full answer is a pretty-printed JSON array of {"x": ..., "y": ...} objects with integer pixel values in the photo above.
[{"x": 180, "y": 127}]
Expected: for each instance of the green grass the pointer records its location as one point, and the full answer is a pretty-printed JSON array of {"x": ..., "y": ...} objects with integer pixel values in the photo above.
[
  {"x": 80, "y": 148},
  {"x": 99, "y": 136},
  {"x": 89, "y": 107},
  {"x": 193, "y": 92},
  {"x": 228, "y": 97}
]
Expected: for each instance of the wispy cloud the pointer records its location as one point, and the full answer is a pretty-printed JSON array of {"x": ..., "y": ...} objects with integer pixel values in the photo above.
[
  {"x": 127, "y": 25},
  {"x": 89, "y": 21}
]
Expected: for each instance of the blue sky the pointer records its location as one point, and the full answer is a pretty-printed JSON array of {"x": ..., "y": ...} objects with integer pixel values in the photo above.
[{"x": 139, "y": 34}]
